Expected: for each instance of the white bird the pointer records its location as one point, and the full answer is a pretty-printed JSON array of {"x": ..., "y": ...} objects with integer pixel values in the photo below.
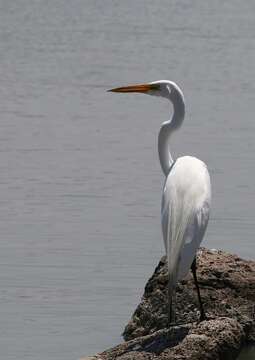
[{"x": 186, "y": 195}]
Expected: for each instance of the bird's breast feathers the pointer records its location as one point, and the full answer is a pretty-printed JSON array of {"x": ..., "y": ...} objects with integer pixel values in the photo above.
[{"x": 189, "y": 181}]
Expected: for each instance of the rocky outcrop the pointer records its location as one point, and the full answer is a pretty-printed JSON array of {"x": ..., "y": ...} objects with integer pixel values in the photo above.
[{"x": 227, "y": 286}]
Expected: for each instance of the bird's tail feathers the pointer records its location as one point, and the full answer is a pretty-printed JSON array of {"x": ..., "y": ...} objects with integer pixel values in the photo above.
[{"x": 177, "y": 225}]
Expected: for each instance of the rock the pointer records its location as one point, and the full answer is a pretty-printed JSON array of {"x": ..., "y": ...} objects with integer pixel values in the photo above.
[{"x": 227, "y": 285}]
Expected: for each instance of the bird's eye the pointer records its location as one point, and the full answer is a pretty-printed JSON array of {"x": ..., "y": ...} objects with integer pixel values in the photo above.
[{"x": 169, "y": 89}]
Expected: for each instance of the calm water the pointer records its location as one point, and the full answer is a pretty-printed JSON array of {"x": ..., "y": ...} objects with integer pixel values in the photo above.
[
  {"x": 247, "y": 353},
  {"x": 80, "y": 183}
]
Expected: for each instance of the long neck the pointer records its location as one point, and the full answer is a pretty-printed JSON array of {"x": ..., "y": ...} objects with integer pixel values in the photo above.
[{"x": 167, "y": 129}]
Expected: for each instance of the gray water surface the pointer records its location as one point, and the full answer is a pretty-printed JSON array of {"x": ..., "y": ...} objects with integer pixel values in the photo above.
[
  {"x": 80, "y": 183},
  {"x": 248, "y": 353}
]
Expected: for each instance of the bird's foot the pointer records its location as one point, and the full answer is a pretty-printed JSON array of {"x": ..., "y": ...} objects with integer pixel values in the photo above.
[
  {"x": 172, "y": 324},
  {"x": 202, "y": 318}
]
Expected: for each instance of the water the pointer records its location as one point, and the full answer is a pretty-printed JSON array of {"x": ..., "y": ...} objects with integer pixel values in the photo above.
[
  {"x": 247, "y": 353},
  {"x": 80, "y": 182}
]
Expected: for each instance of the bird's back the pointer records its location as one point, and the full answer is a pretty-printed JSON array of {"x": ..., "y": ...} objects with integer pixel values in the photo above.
[{"x": 185, "y": 212}]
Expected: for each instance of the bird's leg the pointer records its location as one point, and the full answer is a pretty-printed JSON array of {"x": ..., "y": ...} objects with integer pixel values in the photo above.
[
  {"x": 193, "y": 269},
  {"x": 171, "y": 304},
  {"x": 172, "y": 298}
]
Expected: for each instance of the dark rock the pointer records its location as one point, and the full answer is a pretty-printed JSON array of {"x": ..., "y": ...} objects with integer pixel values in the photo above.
[{"x": 227, "y": 286}]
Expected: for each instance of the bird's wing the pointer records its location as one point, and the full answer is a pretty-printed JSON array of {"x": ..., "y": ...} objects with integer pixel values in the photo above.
[
  {"x": 192, "y": 238},
  {"x": 183, "y": 227},
  {"x": 175, "y": 219}
]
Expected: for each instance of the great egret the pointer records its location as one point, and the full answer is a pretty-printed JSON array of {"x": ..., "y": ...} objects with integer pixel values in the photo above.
[{"x": 186, "y": 195}]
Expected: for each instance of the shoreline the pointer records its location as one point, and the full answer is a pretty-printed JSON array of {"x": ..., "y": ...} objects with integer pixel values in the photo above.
[{"x": 227, "y": 285}]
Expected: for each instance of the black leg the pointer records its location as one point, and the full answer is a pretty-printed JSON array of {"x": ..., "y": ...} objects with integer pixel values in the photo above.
[
  {"x": 172, "y": 279},
  {"x": 194, "y": 268},
  {"x": 171, "y": 305}
]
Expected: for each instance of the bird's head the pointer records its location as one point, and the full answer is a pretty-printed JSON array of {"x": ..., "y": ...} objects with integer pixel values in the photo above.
[{"x": 164, "y": 88}]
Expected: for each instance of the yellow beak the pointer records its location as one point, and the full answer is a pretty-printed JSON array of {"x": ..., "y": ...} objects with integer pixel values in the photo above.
[{"x": 140, "y": 88}]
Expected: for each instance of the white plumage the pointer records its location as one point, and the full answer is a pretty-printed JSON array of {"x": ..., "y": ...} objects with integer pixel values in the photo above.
[
  {"x": 186, "y": 196},
  {"x": 184, "y": 213}
]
